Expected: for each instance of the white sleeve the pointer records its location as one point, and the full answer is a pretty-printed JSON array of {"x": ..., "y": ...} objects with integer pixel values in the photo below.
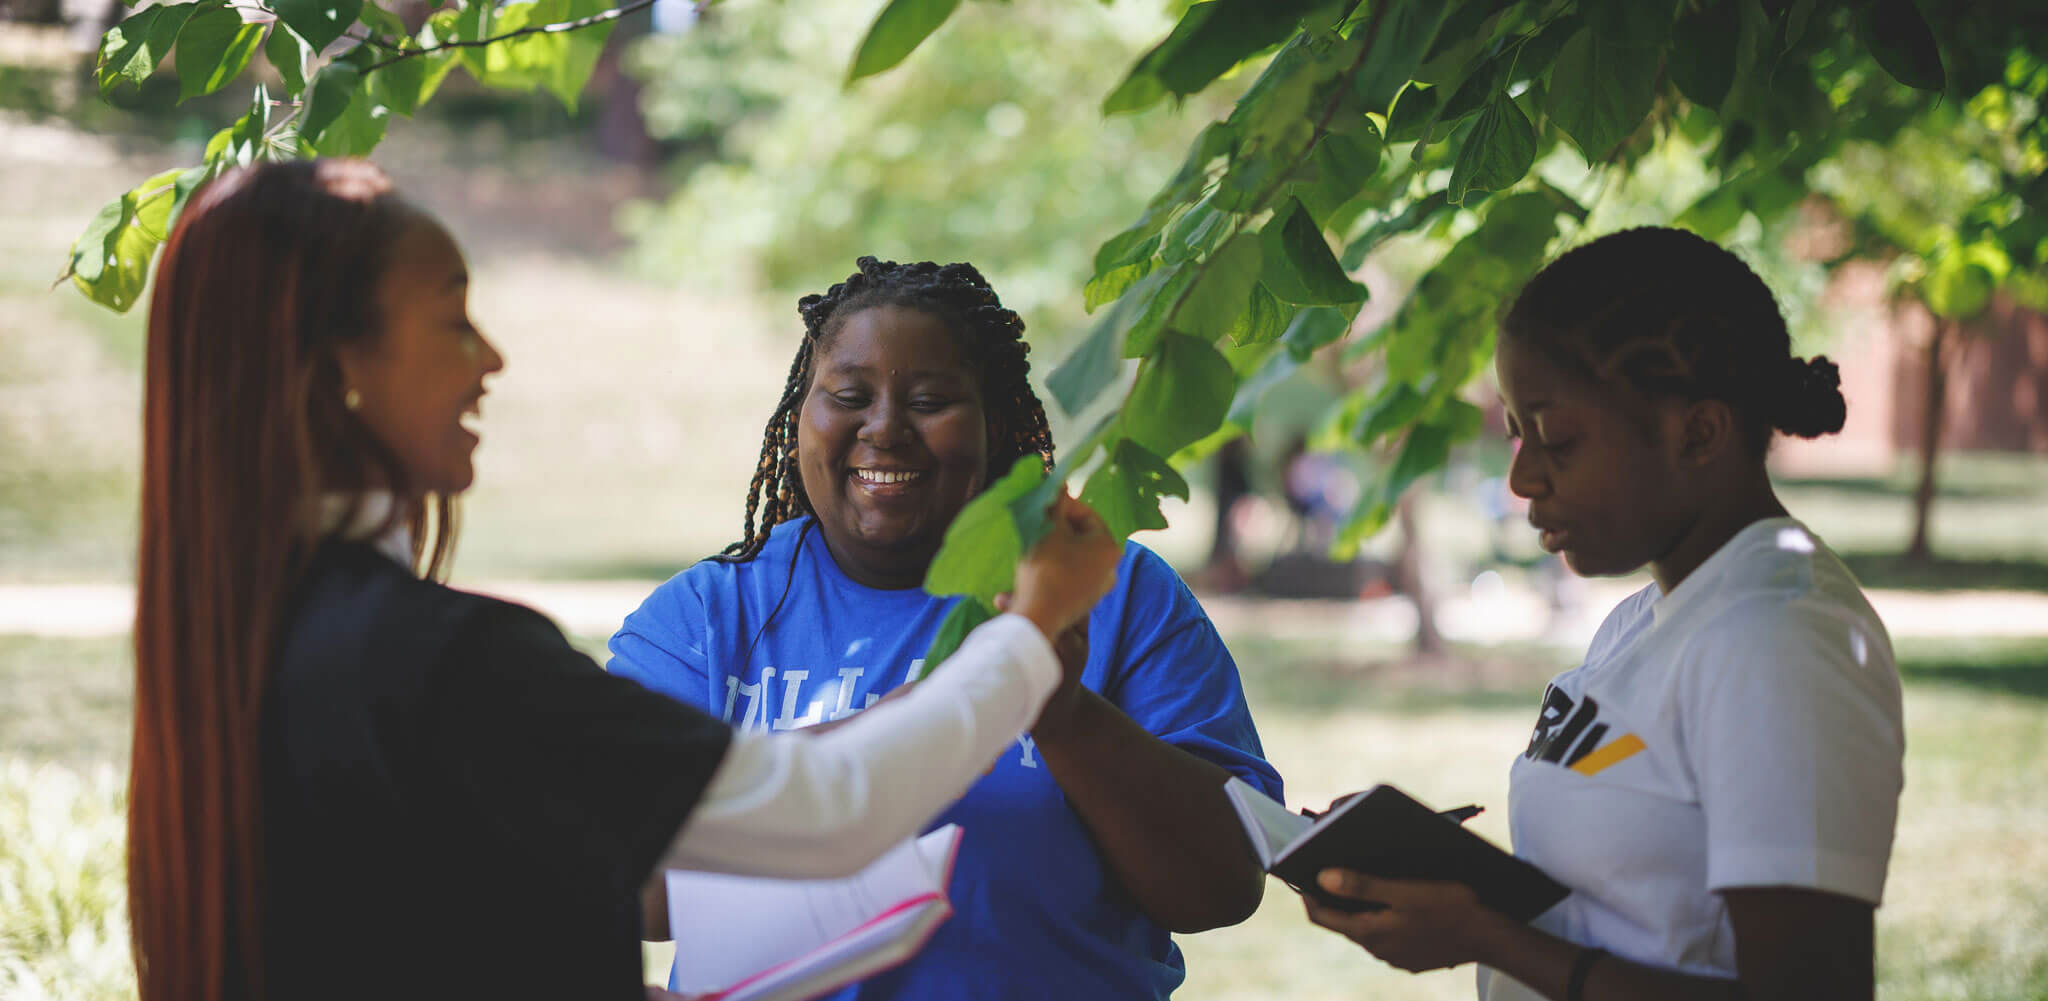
[
  {"x": 812, "y": 807},
  {"x": 1795, "y": 734}
]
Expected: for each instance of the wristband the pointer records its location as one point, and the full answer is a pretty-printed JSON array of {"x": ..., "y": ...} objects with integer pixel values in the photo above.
[{"x": 1575, "y": 985}]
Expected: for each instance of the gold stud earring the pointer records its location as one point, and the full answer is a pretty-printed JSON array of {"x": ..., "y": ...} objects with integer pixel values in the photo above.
[{"x": 352, "y": 400}]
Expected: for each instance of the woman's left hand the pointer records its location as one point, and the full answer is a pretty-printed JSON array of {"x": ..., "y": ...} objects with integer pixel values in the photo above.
[{"x": 1424, "y": 926}]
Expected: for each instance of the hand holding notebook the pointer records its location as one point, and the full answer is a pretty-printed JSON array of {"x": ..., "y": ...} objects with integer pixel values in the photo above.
[{"x": 1384, "y": 832}]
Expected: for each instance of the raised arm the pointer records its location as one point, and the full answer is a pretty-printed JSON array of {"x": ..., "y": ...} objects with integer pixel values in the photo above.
[{"x": 827, "y": 805}]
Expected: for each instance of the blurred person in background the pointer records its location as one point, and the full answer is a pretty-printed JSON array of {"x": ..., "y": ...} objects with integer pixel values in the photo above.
[{"x": 351, "y": 781}]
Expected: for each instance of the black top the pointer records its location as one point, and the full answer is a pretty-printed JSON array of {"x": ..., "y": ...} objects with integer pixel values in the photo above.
[{"x": 457, "y": 803}]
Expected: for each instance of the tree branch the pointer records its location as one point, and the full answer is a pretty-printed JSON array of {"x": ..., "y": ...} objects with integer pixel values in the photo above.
[
  {"x": 537, "y": 29},
  {"x": 1322, "y": 128}
]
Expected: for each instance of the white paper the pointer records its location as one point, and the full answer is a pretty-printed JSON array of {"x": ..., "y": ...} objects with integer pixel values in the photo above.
[
  {"x": 1271, "y": 826},
  {"x": 730, "y": 928}
]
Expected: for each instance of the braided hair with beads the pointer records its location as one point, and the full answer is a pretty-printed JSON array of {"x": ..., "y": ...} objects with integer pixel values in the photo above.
[
  {"x": 1668, "y": 313},
  {"x": 991, "y": 336}
]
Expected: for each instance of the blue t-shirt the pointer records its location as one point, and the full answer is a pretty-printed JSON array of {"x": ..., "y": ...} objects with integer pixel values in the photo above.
[{"x": 1036, "y": 912}]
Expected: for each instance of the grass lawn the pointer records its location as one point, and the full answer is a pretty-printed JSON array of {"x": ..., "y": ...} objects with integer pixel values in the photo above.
[{"x": 1966, "y": 914}]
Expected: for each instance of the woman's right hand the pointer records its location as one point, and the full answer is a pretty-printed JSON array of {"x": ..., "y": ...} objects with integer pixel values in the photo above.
[{"x": 1071, "y": 568}]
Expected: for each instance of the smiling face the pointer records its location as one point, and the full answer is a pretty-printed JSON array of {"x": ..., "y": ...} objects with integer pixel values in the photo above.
[
  {"x": 1605, "y": 487},
  {"x": 892, "y": 441},
  {"x": 423, "y": 372}
]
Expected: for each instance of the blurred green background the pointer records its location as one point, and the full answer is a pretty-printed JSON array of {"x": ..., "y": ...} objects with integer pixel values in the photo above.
[{"x": 639, "y": 262}]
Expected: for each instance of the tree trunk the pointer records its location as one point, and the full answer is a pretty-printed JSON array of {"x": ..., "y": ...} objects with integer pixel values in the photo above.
[
  {"x": 1428, "y": 641},
  {"x": 1932, "y": 404}
]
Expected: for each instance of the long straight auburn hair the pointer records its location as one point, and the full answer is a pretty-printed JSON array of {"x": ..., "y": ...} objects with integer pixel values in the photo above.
[{"x": 244, "y": 431}]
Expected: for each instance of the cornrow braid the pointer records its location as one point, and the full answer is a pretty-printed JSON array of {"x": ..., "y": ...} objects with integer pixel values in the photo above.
[
  {"x": 991, "y": 336},
  {"x": 1671, "y": 314}
]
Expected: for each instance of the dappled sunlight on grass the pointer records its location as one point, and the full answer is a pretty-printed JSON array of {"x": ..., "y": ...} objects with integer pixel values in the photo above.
[
  {"x": 63, "y": 894},
  {"x": 1966, "y": 914}
]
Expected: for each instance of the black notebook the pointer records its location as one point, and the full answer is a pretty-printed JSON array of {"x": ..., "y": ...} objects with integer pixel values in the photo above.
[{"x": 1384, "y": 832}]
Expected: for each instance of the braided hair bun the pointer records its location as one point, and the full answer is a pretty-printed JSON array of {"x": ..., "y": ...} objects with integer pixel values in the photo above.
[
  {"x": 1674, "y": 315},
  {"x": 1809, "y": 399}
]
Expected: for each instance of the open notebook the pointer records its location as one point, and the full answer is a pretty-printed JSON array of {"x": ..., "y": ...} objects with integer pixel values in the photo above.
[
  {"x": 1385, "y": 832},
  {"x": 741, "y": 938}
]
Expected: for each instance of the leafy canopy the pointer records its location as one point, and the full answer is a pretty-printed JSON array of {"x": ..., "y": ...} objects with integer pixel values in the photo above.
[{"x": 1362, "y": 122}]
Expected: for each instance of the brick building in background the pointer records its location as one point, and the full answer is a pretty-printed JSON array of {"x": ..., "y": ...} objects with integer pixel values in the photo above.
[{"x": 1996, "y": 373}]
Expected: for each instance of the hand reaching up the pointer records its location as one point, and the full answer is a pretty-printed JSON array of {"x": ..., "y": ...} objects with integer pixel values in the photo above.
[{"x": 1071, "y": 568}]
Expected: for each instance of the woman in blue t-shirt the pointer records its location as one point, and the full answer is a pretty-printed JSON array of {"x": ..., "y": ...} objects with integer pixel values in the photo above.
[{"x": 1103, "y": 831}]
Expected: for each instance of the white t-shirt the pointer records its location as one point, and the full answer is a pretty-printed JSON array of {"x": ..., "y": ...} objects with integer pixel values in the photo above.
[{"x": 1744, "y": 730}]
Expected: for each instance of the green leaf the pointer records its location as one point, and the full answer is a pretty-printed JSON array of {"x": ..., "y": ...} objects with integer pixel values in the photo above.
[
  {"x": 1704, "y": 67},
  {"x": 898, "y": 30},
  {"x": 388, "y": 27},
  {"x": 981, "y": 549},
  {"x": 1127, "y": 488},
  {"x": 1600, "y": 91},
  {"x": 1540, "y": 51},
  {"x": 241, "y": 144},
  {"x": 319, "y": 22},
  {"x": 1957, "y": 287},
  {"x": 1413, "y": 113},
  {"x": 1232, "y": 33},
  {"x": 1183, "y": 392},
  {"x": 580, "y": 49},
  {"x": 110, "y": 260},
  {"x": 1313, "y": 328},
  {"x": 342, "y": 117},
  {"x": 1244, "y": 405},
  {"x": 1120, "y": 262},
  {"x": 130, "y": 50},
  {"x": 287, "y": 53},
  {"x": 1414, "y": 216},
  {"x": 473, "y": 23},
  {"x": 1498, "y": 151},
  {"x": 1221, "y": 293},
  {"x": 1396, "y": 406},
  {"x": 1427, "y": 449},
  {"x": 442, "y": 27},
  {"x": 1111, "y": 285},
  {"x": 1715, "y": 214},
  {"x": 961, "y": 619},
  {"x": 1207, "y": 41},
  {"x": 1275, "y": 110},
  {"x": 1144, "y": 332},
  {"x": 521, "y": 63},
  {"x": 1032, "y": 512},
  {"x": 399, "y": 86},
  {"x": 1095, "y": 364},
  {"x": 1480, "y": 87},
  {"x": 1445, "y": 327},
  {"x": 1194, "y": 233},
  {"x": 1796, "y": 17},
  {"x": 1631, "y": 23},
  {"x": 1297, "y": 264},
  {"x": 1465, "y": 34},
  {"x": 1407, "y": 30},
  {"x": 1263, "y": 319},
  {"x": 1898, "y": 37},
  {"x": 1343, "y": 164},
  {"x": 212, "y": 49}
]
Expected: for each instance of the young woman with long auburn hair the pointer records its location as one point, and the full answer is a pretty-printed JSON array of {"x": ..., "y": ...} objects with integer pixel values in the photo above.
[{"x": 349, "y": 780}]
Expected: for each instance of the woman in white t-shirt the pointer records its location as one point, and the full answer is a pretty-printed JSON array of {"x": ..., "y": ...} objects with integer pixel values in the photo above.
[{"x": 1718, "y": 782}]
